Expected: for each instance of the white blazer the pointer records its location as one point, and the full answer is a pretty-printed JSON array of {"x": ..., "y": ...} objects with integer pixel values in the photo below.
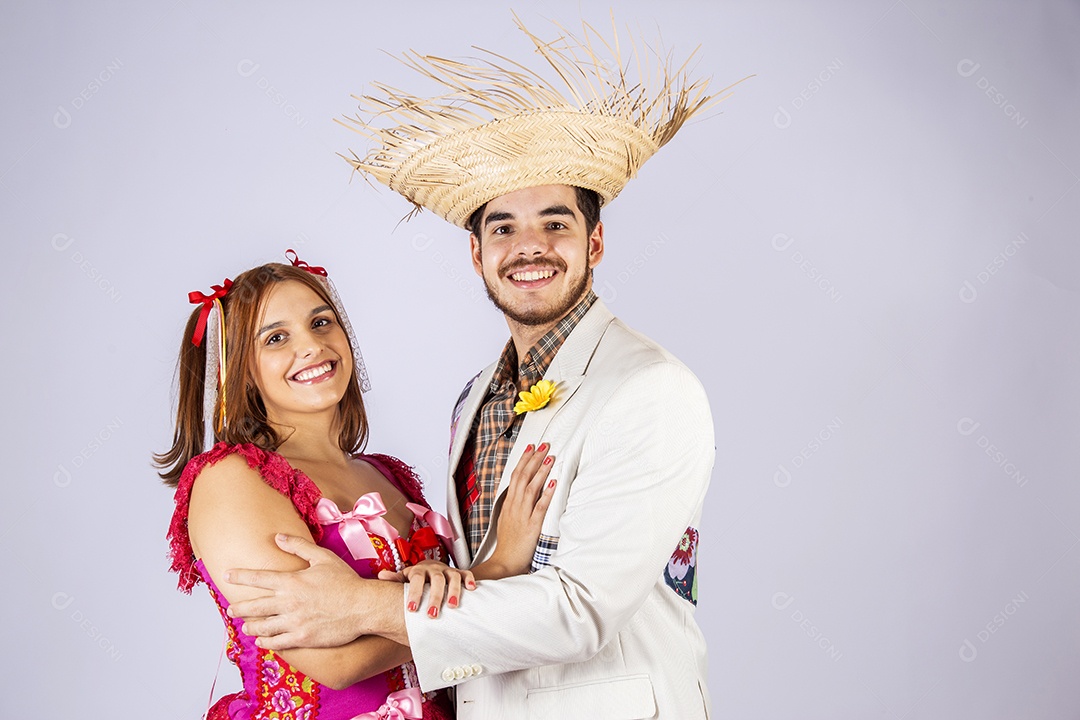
[{"x": 596, "y": 631}]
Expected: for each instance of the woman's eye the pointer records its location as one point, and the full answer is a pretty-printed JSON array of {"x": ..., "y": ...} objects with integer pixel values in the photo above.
[
  {"x": 320, "y": 322},
  {"x": 275, "y": 338}
]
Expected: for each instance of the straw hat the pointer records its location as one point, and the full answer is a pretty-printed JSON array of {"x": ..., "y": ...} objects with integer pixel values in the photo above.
[{"x": 500, "y": 127}]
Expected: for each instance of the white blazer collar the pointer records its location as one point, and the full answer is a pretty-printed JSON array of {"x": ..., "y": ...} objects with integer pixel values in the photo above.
[{"x": 567, "y": 370}]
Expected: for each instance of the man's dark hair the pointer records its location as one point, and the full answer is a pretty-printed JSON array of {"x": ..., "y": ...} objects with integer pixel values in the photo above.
[{"x": 588, "y": 202}]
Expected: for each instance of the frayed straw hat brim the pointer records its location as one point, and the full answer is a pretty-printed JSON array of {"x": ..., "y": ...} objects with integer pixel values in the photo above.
[{"x": 501, "y": 127}]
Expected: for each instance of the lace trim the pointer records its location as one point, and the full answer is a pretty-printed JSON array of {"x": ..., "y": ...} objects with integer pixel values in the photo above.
[
  {"x": 278, "y": 474},
  {"x": 274, "y": 469},
  {"x": 407, "y": 481}
]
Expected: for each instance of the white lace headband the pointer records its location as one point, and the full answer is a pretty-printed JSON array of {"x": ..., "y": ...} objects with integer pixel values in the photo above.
[{"x": 339, "y": 308}]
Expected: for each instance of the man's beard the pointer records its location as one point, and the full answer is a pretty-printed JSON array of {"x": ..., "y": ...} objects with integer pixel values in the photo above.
[{"x": 544, "y": 315}]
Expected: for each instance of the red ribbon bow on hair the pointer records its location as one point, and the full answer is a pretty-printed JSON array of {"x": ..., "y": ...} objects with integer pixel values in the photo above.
[
  {"x": 297, "y": 262},
  {"x": 195, "y": 297}
]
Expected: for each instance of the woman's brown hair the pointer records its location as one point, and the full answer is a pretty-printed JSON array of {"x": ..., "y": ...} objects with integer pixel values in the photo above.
[{"x": 246, "y": 414}]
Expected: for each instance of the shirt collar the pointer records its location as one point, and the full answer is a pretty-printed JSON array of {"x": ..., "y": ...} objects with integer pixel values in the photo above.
[{"x": 538, "y": 359}]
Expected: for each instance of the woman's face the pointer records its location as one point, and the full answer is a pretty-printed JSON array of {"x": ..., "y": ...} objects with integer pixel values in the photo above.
[{"x": 302, "y": 357}]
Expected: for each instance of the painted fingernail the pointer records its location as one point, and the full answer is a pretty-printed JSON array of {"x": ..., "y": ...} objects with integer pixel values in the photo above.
[
  {"x": 470, "y": 584},
  {"x": 413, "y": 607},
  {"x": 433, "y": 611},
  {"x": 549, "y": 459},
  {"x": 551, "y": 483},
  {"x": 452, "y": 601},
  {"x": 543, "y": 447},
  {"x": 529, "y": 448}
]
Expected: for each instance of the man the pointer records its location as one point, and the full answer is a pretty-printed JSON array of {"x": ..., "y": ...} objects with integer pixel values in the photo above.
[{"x": 603, "y": 627}]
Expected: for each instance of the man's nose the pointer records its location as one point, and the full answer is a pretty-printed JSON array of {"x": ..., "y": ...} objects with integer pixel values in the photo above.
[{"x": 531, "y": 241}]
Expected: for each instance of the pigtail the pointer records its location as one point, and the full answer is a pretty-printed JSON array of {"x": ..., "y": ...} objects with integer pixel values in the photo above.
[{"x": 190, "y": 429}]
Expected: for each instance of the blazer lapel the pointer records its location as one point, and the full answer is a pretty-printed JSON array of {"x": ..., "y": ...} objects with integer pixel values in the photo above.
[
  {"x": 567, "y": 370},
  {"x": 462, "y": 424}
]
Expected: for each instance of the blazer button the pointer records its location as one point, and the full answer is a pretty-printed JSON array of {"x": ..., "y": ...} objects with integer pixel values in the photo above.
[
  {"x": 459, "y": 672},
  {"x": 448, "y": 674},
  {"x": 477, "y": 669}
]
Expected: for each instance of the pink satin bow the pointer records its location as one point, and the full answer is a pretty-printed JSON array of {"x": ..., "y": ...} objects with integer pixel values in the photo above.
[
  {"x": 354, "y": 526},
  {"x": 434, "y": 520},
  {"x": 400, "y": 705}
]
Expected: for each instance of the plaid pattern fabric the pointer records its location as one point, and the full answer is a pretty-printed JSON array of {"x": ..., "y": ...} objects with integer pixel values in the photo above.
[
  {"x": 495, "y": 427},
  {"x": 545, "y": 548}
]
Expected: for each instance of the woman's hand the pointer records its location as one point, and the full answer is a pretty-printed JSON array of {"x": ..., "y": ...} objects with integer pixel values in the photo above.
[
  {"x": 444, "y": 580},
  {"x": 522, "y": 515}
]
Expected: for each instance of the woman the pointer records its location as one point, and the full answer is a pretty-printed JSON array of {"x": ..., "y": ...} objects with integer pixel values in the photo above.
[{"x": 289, "y": 426}]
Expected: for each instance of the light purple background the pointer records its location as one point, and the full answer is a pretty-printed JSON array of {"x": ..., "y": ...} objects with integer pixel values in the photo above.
[{"x": 868, "y": 254}]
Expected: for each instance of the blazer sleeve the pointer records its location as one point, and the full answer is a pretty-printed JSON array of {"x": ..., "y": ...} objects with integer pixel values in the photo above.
[{"x": 641, "y": 479}]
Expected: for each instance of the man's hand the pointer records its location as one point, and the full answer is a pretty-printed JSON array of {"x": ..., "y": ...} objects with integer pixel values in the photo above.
[{"x": 322, "y": 606}]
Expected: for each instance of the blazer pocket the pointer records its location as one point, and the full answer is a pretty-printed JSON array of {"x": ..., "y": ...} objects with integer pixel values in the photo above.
[{"x": 624, "y": 698}]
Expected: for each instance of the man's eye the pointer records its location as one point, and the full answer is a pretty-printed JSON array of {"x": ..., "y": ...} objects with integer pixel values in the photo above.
[
  {"x": 501, "y": 230},
  {"x": 556, "y": 226}
]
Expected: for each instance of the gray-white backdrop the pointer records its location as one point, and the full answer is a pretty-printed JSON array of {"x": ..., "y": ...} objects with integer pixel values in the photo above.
[{"x": 868, "y": 254}]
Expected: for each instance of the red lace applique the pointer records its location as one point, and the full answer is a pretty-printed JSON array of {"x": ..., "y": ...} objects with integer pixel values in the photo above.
[{"x": 407, "y": 481}]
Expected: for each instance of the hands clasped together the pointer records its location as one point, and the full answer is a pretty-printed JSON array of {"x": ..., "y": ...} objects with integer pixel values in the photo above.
[{"x": 324, "y": 604}]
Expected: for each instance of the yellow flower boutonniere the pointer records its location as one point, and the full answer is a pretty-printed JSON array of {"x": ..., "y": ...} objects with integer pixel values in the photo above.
[{"x": 538, "y": 396}]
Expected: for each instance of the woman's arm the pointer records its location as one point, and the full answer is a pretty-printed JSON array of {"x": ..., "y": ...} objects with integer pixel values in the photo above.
[
  {"x": 520, "y": 521},
  {"x": 522, "y": 516},
  {"x": 232, "y": 521}
]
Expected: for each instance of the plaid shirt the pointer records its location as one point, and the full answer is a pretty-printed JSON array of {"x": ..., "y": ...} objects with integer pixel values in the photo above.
[{"x": 495, "y": 427}]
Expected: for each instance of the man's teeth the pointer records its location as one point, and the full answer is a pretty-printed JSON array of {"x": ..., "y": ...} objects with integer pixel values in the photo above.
[
  {"x": 314, "y": 372},
  {"x": 533, "y": 275}
]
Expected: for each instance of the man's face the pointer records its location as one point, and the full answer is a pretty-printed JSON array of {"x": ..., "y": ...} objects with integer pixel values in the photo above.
[{"x": 534, "y": 253}]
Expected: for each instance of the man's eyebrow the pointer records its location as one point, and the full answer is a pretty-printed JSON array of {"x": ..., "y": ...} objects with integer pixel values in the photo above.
[
  {"x": 556, "y": 210},
  {"x": 497, "y": 216},
  {"x": 274, "y": 326}
]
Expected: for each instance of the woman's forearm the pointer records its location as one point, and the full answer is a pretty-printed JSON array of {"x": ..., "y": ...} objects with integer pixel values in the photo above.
[{"x": 340, "y": 667}]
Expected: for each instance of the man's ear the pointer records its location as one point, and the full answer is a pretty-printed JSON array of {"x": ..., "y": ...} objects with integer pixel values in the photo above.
[
  {"x": 596, "y": 245},
  {"x": 474, "y": 250}
]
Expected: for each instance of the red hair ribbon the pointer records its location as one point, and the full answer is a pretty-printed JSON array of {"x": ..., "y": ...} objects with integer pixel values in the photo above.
[
  {"x": 297, "y": 262},
  {"x": 195, "y": 297}
]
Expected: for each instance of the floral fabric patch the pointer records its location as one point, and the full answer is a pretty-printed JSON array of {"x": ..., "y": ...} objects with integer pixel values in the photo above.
[{"x": 681, "y": 571}]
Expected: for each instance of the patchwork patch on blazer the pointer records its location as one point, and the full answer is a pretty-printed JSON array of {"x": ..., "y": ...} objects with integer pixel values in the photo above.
[
  {"x": 545, "y": 548},
  {"x": 456, "y": 415},
  {"x": 681, "y": 571}
]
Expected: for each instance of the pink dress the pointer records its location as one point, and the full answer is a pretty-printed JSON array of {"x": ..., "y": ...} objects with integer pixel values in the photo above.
[{"x": 273, "y": 689}]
